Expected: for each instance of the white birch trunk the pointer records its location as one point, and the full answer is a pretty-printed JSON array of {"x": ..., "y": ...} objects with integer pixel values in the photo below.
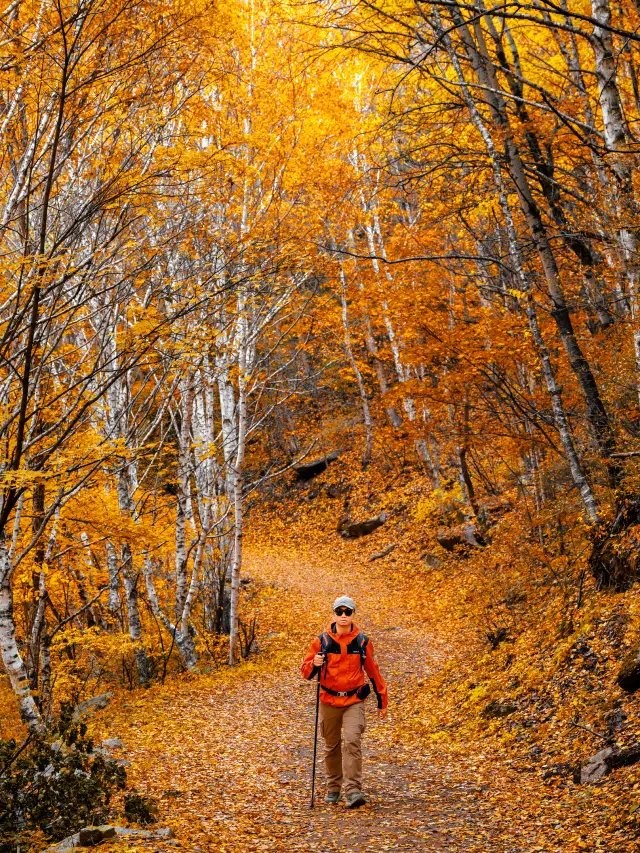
[
  {"x": 372, "y": 348},
  {"x": 11, "y": 657},
  {"x": 615, "y": 140},
  {"x": 560, "y": 418},
  {"x": 184, "y": 442},
  {"x": 183, "y": 639},
  {"x": 114, "y": 578},
  {"x": 238, "y": 496},
  {"x": 366, "y": 411}
]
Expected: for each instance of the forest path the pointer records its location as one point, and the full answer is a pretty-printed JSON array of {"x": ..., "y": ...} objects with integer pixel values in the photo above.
[{"x": 230, "y": 759}]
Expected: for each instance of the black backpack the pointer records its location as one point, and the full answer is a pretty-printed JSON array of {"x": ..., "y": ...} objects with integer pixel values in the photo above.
[{"x": 362, "y": 641}]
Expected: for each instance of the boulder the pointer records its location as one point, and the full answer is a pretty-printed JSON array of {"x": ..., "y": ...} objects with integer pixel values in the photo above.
[
  {"x": 466, "y": 536},
  {"x": 596, "y": 767},
  {"x": 608, "y": 759},
  {"x": 90, "y": 836},
  {"x": 356, "y": 529},
  {"x": 624, "y": 757},
  {"x": 628, "y": 677},
  {"x": 308, "y": 470},
  {"x": 96, "y": 703}
]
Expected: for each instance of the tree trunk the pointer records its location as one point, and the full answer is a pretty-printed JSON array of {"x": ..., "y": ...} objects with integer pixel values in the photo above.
[
  {"x": 238, "y": 496},
  {"x": 596, "y": 412},
  {"x": 183, "y": 639},
  {"x": 366, "y": 411},
  {"x": 560, "y": 418},
  {"x": 616, "y": 141},
  {"x": 114, "y": 579},
  {"x": 133, "y": 612},
  {"x": 11, "y": 658}
]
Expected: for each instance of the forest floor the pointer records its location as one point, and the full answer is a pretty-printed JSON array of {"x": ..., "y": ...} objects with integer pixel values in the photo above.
[{"x": 228, "y": 755}]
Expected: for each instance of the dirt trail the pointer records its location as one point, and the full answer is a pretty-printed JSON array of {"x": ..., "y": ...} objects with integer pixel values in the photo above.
[{"x": 232, "y": 762}]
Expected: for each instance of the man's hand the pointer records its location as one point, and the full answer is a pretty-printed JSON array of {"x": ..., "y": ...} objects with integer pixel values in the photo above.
[
  {"x": 318, "y": 660},
  {"x": 382, "y": 713}
]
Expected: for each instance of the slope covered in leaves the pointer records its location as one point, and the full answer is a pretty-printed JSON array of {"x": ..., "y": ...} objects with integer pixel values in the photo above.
[{"x": 228, "y": 755}]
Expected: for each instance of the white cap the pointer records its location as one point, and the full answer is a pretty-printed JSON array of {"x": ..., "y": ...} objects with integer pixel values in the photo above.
[{"x": 344, "y": 601}]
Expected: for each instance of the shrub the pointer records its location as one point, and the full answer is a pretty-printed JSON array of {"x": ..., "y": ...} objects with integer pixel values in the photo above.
[
  {"x": 56, "y": 782},
  {"x": 140, "y": 809}
]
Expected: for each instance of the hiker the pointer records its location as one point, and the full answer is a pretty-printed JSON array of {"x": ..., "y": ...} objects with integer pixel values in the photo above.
[{"x": 342, "y": 654}]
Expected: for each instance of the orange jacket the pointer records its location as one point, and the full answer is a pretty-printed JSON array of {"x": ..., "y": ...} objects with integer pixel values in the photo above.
[{"x": 343, "y": 670}]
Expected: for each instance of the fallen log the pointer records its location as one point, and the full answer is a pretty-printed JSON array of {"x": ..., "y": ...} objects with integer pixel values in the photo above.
[
  {"x": 380, "y": 554},
  {"x": 308, "y": 470},
  {"x": 355, "y": 529}
]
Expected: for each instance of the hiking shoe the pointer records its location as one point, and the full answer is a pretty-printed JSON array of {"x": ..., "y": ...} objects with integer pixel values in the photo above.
[
  {"x": 332, "y": 797},
  {"x": 355, "y": 799}
]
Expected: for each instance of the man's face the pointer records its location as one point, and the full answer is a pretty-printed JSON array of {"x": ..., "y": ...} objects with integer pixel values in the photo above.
[{"x": 342, "y": 617}]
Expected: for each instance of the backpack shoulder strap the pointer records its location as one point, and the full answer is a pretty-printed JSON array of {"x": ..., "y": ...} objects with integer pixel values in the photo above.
[
  {"x": 363, "y": 641},
  {"x": 324, "y": 642}
]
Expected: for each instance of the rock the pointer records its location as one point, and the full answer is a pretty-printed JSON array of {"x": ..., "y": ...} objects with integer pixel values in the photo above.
[
  {"x": 308, "y": 470},
  {"x": 89, "y": 836},
  {"x": 496, "y": 709},
  {"x": 596, "y": 767},
  {"x": 96, "y": 703},
  {"x": 466, "y": 536},
  {"x": 624, "y": 757},
  {"x": 608, "y": 759},
  {"x": 92, "y": 835},
  {"x": 70, "y": 843},
  {"x": 163, "y": 832},
  {"x": 130, "y": 832},
  {"x": 431, "y": 560},
  {"x": 628, "y": 677},
  {"x": 356, "y": 529},
  {"x": 112, "y": 743},
  {"x": 380, "y": 554}
]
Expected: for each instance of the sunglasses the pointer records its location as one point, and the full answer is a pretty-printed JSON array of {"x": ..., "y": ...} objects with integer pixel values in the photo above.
[{"x": 343, "y": 611}]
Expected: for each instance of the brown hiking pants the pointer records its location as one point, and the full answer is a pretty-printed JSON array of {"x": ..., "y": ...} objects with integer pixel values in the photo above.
[{"x": 348, "y": 760}]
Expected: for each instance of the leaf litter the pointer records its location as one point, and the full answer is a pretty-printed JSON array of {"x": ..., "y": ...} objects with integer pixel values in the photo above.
[{"x": 228, "y": 754}]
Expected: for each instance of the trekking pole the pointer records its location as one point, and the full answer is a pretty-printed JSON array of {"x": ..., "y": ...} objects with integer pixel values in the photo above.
[{"x": 315, "y": 741}]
